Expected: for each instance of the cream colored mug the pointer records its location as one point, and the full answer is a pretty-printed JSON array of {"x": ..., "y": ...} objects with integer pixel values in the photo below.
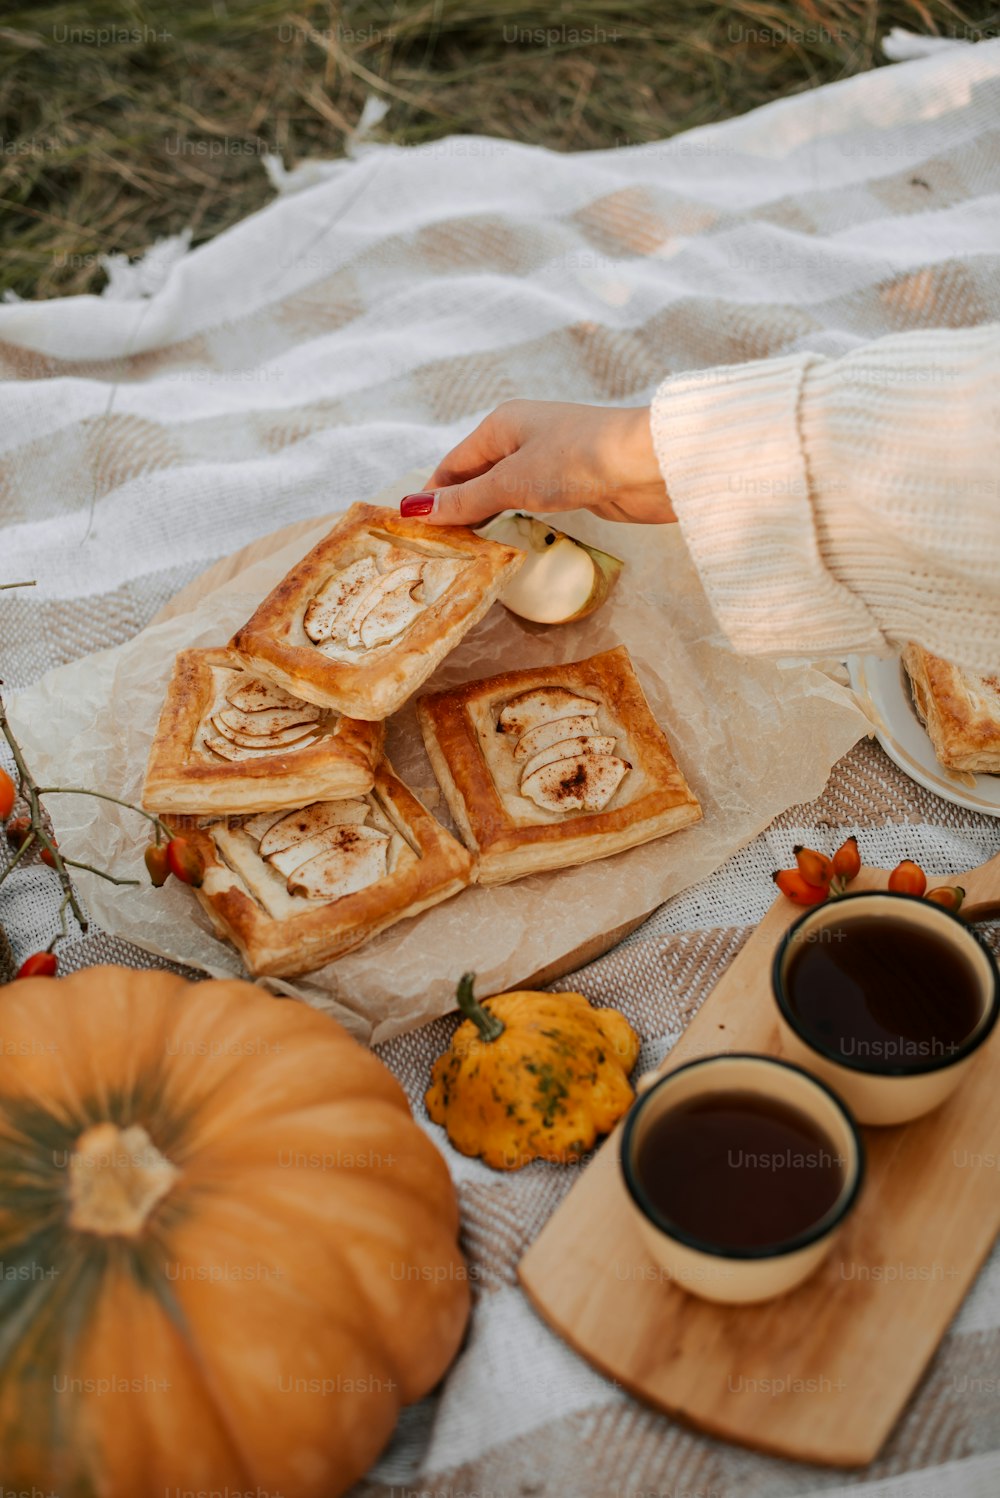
[
  {"x": 887, "y": 1090},
  {"x": 720, "y": 1272}
]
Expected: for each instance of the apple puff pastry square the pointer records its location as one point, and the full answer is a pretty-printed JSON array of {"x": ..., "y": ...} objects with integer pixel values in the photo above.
[
  {"x": 293, "y": 890},
  {"x": 960, "y": 710},
  {"x": 554, "y": 766},
  {"x": 369, "y": 613},
  {"x": 229, "y": 741}
]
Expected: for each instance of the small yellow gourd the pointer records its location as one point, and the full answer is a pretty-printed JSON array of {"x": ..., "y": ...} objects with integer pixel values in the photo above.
[{"x": 532, "y": 1076}]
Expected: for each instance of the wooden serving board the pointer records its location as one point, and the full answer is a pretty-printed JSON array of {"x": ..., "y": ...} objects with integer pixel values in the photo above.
[
  {"x": 228, "y": 567},
  {"x": 821, "y": 1374}
]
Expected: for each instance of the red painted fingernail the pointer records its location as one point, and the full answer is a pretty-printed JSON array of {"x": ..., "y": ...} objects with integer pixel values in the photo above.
[{"x": 416, "y": 504}]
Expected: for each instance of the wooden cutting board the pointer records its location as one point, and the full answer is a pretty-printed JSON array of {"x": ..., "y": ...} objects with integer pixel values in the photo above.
[
  {"x": 228, "y": 567},
  {"x": 821, "y": 1374}
]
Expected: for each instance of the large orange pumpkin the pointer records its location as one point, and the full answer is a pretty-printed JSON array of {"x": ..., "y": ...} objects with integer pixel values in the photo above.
[{"x": 227, "y": 1253}]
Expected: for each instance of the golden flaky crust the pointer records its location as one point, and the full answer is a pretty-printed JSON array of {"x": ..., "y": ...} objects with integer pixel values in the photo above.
[
  {"x": 274, "y": 641},
  {"x": 181, "y": 777},
  {"x": 960, "y": 709},
  {"x": 510, "y": 840},
  {"x": 298, "y": 944}
]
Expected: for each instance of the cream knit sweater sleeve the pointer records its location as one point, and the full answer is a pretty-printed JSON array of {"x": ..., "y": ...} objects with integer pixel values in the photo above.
[{"x": 851, "y": 504}]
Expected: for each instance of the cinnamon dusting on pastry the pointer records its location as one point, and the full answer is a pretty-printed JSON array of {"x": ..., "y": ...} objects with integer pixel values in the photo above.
[
  {"x": 257, "y": 719},
  {"x": 568, "y": 766},
  {"x": 375, "y": 599}
]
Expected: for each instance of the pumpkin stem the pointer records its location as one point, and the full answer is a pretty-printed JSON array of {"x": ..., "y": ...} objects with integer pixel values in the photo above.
[
  {"x": 116, "y": 1178},
  {"x": 490, "y": 1026}
]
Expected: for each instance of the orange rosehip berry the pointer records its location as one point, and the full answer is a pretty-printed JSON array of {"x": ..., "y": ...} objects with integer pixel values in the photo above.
[
  {"x": 157, "y": 863},
  {"x": 38, "y": 965},
  {"x": 8, "y": 795},
  {"x": 792, "y": 884},
  {"x": 908, "y": 878},
  {"x": 17, "y": 831},
  {"x": 184, "y": 862},
  {"x": 814, "y": 867},
  {"x": 948, "y": 895},
  {"x": 46, "y": 855},
  {"x": 847, "y": 860}
]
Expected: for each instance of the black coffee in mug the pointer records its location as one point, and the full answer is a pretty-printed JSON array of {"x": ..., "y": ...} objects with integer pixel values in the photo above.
[
  {"x": 882, "y": 994},
  {"x": 738, "y": 1170}
]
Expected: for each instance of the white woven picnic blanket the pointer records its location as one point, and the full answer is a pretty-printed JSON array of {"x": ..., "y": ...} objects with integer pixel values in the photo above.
[{"x": 356, "y": 328}]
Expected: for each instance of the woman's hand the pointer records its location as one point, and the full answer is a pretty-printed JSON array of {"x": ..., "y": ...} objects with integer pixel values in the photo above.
[{"x": 547, "y": 456}]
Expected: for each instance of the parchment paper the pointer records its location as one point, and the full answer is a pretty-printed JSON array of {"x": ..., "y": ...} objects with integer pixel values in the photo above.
[{"x": 753, "y": 737}]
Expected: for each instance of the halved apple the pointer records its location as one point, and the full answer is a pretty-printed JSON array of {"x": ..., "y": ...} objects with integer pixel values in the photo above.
[{"x": 561, "y": 579}]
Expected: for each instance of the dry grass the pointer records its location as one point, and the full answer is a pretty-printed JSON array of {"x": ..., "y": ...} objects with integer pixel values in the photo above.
[{"x": 155, "y": 114}]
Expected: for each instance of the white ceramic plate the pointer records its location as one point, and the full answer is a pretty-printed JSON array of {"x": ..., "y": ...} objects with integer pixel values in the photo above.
[{"x": 883, "y": 689}]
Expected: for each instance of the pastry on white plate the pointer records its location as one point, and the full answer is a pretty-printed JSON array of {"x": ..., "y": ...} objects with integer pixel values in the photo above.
[{"x": 960, "y": 710}]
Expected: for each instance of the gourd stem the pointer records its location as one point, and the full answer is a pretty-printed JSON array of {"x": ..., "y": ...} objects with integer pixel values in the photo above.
[{"x": 490, "y": 1026}]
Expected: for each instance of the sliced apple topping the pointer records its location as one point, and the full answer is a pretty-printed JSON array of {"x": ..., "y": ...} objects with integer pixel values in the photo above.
[
  {"x": 328, "y": 614},
  {"x": 269, "y": 720},
  {"x": 323, "y": 851},
  {"x": 543, "y": 705},
  {"x": 257, "y": 825},
  {"x": 287, "y": 860},
  {"x": 225, "y": 749},
  {"x": 257, "y": 748},
  {"x": 280, "y": 739},
  {"x": 307, "y": 821},
  {"x": 255, "y": 719},
  {"x": 569, "y": 749},
  {"x": 355, "y": 857},
  {"x": 550, "y": 733},
  {"x": 252, "y": 695},
  {"x": 566, "y": 765},
  {"x": 393, "y": 613},
  {"x": 438, "y": 574},
  {"x": 372, "y": 600},
  {"x": 585, "y": 783}
]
